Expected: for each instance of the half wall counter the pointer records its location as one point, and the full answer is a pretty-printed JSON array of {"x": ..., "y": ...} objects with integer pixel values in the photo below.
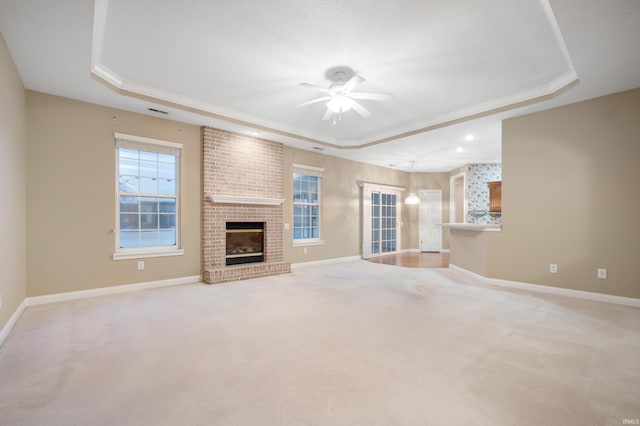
[{"x": 469, "y": 246}]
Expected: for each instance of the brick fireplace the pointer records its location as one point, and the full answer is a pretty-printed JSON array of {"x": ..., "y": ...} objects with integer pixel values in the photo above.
[{"x": 242, "y": 184}]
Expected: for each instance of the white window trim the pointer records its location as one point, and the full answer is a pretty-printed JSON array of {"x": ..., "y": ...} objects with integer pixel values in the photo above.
[
  {"x": 141, "y": 254},
  {"x": 318, "y": 172},
  {"x": 308, "y": 170},
  {"x": 147, "y": 252},
  {"x": 308, "y": 242}
]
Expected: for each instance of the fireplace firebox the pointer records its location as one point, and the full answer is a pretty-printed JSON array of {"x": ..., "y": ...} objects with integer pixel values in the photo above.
[{"x": 245, "y": 242}]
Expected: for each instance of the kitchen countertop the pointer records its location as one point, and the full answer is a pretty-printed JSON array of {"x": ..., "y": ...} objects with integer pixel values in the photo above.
[{"x": 478, "y": 227}]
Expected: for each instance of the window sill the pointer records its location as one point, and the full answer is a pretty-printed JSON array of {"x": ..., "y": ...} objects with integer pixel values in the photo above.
[
  {"x": 308, "y": 243},
  {"x": 144, "y": 254}
]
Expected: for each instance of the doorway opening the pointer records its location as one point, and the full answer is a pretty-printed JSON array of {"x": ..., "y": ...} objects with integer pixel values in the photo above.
[{"x": 458, "y": 198}]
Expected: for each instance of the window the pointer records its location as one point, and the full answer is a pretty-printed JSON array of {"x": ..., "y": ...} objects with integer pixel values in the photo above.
[
  {"x": 148, "y": 197},
  {"x": 307, "y": 184}
]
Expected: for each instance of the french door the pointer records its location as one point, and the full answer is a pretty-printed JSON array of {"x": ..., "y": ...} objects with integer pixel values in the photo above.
[
  {"x": 381, "y": 220},
  {"x": 383, "y": 223}
]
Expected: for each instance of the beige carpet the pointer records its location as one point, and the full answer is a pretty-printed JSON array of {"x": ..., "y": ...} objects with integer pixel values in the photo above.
[{"x": 347, "y": 344}]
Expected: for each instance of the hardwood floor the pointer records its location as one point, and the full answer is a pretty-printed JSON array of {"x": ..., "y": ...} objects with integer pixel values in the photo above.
[{"x": 414, "y": 260}]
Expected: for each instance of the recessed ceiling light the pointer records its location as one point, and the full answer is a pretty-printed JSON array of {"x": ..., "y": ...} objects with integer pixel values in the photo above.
[
  {"x": 254, "y": 132},
  {"x": 459, "y": 149},
  {"x": 469, "y": 137}
]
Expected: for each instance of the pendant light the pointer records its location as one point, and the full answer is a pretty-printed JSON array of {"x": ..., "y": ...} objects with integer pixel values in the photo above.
[{"x": 412, "y": 199}]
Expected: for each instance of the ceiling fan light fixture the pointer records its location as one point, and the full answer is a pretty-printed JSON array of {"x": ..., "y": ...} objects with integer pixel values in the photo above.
[{"x": 340, "y": 103}]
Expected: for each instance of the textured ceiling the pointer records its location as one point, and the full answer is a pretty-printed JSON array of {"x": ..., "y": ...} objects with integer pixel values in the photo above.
[{"x": 454, "y": 68}]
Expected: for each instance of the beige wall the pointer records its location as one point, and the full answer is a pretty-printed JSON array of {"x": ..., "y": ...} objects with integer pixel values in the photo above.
[
  {"x": 13, "y": 169},
  {"x": 570, "y": 197},
  {"x": 71, "y": 196},
  {"x": 470, "y": 250},
  {"x": 341, "y": 219},
  {"x": 341, "y": 204},
  {"x": 71, "y": 178}
]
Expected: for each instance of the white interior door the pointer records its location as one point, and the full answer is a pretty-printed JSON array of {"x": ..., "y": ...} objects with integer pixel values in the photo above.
[{"x": 430, "y": 220}]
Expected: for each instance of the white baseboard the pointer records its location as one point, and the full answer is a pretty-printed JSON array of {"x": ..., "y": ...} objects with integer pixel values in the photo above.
[
  {"x": 125, "y": 288},
  {"x": 559, "y": 291},
  {"x": 324, "y": 262},
  {"x": 467, "y": 272},
  {"x": 4, "y": 333},
  {"x": 417, "y": 250},
  {"x": 82, "y": 294}
]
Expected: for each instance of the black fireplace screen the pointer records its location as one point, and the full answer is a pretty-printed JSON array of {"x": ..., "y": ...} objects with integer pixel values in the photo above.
[{"x": 245, "y": 242}]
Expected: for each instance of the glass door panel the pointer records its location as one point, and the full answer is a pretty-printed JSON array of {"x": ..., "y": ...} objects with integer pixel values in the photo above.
[{"x": 383, "y": 223}]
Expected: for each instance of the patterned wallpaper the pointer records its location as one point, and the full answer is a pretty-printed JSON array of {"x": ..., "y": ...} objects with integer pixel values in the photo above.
[{"x": 478, "y": 192}]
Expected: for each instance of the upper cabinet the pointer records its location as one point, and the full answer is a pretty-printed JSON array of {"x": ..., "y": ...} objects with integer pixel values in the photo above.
[{"x": 495, "y": 196}]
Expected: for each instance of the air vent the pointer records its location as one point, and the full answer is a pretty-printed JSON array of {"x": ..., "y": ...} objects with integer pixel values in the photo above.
[{"x": 158, "y": 111}]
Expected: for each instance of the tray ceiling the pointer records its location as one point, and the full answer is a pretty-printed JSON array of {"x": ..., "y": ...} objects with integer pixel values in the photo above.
[{"x": 441, "y": 61}]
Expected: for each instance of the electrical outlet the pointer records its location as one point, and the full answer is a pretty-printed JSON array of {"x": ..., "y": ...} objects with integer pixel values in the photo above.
[
  {"x": 140, "y": 265},
  {"x": 286, "y": 226},
  {"x": 553, "y": 268},
  {"x": 305, "y": 250},
  {"x": 602, "y": 273}
]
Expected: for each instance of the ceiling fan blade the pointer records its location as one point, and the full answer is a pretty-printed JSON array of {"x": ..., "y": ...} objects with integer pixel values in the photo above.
[
  {"x": 360, "y": 109},
  {"x": 372, "y": 96},
  {"x": 313, "y": 86},
  {"x": 314, "y": 101},
  {"x": 327, "y": 115},
  {"x": 355, "y": 81}
]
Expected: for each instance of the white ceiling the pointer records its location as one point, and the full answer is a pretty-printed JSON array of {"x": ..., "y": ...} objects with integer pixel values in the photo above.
[{"x": 238, "y": 64}]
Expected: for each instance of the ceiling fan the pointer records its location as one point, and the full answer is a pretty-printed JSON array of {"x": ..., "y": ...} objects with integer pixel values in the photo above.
[{"x": 341, "y": 97}]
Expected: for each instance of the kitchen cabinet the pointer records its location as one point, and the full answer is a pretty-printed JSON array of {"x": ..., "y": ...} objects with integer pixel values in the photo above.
[{"x": 495, "y": 196}]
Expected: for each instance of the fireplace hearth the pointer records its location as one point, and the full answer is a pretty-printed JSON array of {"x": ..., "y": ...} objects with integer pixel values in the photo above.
[{"x": 245, "y": 242}]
